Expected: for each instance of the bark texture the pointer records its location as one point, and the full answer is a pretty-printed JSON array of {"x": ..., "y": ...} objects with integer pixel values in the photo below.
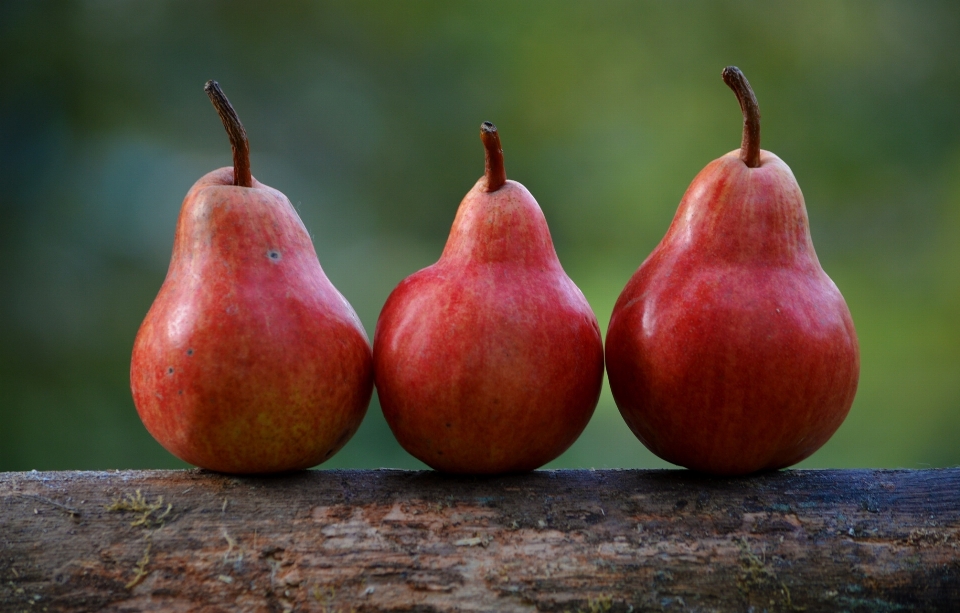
[{"x": 590, "y": 541}]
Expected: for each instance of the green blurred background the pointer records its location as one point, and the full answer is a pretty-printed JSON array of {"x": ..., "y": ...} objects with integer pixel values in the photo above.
[{"x": 366, "y": 115}]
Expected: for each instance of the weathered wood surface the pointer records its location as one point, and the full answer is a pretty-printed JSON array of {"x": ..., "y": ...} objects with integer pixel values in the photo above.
[{"x": 418, "y": 541}]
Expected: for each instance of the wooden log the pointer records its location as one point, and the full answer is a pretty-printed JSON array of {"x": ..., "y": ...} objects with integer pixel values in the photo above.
[{"x": 590, "y": 541}]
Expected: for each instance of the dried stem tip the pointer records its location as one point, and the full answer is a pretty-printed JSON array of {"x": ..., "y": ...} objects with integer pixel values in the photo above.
[
  {"x": 494, "y": 172},
  {"x": 238, "y": 136},
  {"x": 750, "y": 144}
]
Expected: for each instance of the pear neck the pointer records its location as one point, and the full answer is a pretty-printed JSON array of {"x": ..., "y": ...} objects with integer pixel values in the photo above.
[
  {"x": 744, "y": 217},
  {"x": 503, "y": 227}
]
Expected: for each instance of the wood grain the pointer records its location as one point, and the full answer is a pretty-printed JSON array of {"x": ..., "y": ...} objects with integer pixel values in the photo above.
[{"x": 338, "y": 541}]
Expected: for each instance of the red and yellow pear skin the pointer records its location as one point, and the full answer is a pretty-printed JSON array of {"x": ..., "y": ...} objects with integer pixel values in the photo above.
[
  {"x": 730, "y": 350},
  {"x": 249, "y": 359},
  {"x": 490, "y": 360}
]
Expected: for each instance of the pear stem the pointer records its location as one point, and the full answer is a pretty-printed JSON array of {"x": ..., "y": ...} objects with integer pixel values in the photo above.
[
  {"x": 750, "y": 144},
  {"x": 494, "y": 171},
  {"x": 238, "y": 136}
]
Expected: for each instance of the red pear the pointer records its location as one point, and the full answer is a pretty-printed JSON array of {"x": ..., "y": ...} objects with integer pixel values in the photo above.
[
  {"x": 730, "y": 350},
  {"x": 249, "y": 360},
  {"x": 489, "y": 361}
]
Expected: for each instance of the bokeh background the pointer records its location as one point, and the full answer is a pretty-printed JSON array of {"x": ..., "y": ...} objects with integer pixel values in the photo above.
[{"x": 366, "y": 115}]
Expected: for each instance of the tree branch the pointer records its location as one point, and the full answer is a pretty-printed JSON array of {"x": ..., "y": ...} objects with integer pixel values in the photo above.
[{"x": 419, "y": 541}]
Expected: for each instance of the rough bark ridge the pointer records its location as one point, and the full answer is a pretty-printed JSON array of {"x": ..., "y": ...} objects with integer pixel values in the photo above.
[{"x": 338, "y": 541}]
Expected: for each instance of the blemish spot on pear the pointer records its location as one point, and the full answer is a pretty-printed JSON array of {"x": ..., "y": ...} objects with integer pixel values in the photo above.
[{"x": 274, "y": 255}]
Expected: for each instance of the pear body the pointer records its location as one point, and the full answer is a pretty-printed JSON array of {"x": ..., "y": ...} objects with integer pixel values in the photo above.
[
  {"x": 730, "y": 350},
  {"x": 491, "y": 360},
  {"x": 249, "y": 360}
]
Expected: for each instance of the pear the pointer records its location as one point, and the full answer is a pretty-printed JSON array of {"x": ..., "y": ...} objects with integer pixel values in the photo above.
[
  {"x": 490, "y": 360},
  {"x": 249, "y": 360},
  {"x": 730, "y": 350}
]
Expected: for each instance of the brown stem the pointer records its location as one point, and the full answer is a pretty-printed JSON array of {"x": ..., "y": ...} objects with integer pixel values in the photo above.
[
  {"x": 238, "y": 136},
  {"x": 494, "y": 172},
  {"x": 750, "y": 144}
]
